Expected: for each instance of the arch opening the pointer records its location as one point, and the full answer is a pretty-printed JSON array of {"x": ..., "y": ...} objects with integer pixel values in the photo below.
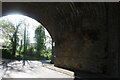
[
  {"x": 22, "y": 34},
  {"x": 21, "y": 31}
]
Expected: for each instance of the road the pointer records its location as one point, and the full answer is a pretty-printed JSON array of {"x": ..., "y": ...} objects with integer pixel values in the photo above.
[{"x": 32, "y": 69}]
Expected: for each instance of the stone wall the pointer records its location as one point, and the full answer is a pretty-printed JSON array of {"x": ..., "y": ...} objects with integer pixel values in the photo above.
[
  {"x": 88, "y": 35},
  {"x": 113, "y": 40}
]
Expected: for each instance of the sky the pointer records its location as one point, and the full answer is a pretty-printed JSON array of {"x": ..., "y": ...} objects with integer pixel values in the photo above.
[{"x": 32, "y": 24}]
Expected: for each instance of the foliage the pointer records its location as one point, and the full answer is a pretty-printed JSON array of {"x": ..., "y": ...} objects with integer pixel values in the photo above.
[
  {"x": 40, "y": 39},
  {"x": 18, "y": 44},
  {"x": 47, "y": 54},
  {"x": 7, "y": 31},
  {"x": 7, "y": 54},
  {"x": 48, "y": 42},
  {"x": 10, "y": 34}
]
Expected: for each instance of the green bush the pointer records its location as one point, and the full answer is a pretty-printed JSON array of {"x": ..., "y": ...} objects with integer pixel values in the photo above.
[
  {"x": 6, "y": 53},
  {"x": 47, "y": 54}
]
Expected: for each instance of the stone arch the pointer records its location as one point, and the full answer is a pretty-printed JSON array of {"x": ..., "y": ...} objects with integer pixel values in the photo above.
[{"x": 72, "y": 26}]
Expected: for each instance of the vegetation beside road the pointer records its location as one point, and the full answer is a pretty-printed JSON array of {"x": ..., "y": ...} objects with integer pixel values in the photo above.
[{"x": 17, "y": 43}]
